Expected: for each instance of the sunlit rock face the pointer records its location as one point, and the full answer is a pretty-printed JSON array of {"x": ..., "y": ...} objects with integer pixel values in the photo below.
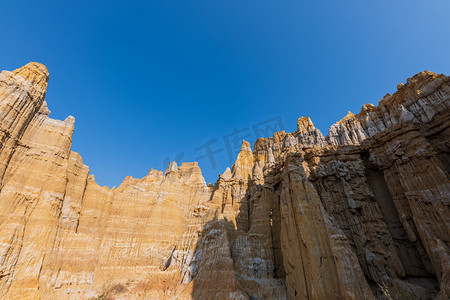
[{"x": 301, "y": 216}]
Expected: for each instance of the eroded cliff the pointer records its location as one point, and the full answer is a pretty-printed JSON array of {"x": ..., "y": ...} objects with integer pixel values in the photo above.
[{"x": 301, "y": 216}]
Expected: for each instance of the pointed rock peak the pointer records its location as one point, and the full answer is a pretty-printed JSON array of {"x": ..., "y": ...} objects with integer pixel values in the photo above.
[
  {"x": 227, "y": 174},
  {"x": 35, "y": 72},
  {"x": 44, "y": 109},
  {"x": 422, "y": 77},
  {"x": 32, "y": 67},
  {"x": 153, "y": 175},
  {"x": 244, "y": 162},
  {"x": 420, "y": 82},
  {"x": 154, "y": 172},
  {"x": 173, "y": 167},
  {"x": 70, "y": 120},
  {"x": 245, "y": 146},
  {"x": 304, "y": 124},
  {"x": 368, "y": 107},
  {"x": 126, "y": 181},
  {"x": 386, "y": 98},
  {"x": 246, "y": 151},
  {"x": 190, "y": 173},
  {"x": 349, "y": 116},
  {"x": 278, "y": 137}
]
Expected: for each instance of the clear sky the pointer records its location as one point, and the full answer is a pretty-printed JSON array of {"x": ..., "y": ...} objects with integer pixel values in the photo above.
[{"x": 151, "y": 81}]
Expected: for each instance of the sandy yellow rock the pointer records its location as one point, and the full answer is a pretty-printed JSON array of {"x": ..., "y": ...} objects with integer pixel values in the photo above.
[{"x": 299, "y": 216}]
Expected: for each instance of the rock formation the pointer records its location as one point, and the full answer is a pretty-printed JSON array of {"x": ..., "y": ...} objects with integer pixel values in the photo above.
[{"x": 301, "y": 216}]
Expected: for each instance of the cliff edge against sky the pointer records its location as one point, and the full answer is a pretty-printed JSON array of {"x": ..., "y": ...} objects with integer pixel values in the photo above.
[{"x": 301, "y": 216}]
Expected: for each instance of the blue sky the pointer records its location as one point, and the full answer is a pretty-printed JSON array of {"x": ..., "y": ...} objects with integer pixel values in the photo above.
[{"x": 151, "y": 81}]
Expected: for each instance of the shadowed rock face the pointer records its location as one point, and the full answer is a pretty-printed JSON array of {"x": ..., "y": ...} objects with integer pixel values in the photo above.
[{"x": 301, "y": 216}]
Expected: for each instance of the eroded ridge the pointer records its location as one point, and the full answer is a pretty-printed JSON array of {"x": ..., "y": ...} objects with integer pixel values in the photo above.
[{"x": 301, "y": 216}]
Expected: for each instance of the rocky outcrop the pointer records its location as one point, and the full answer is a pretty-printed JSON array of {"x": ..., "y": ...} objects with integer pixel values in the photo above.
[{"x": 301, "y": 216}]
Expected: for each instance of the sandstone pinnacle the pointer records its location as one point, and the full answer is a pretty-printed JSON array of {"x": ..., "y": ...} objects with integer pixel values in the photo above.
[{"x": 299, "y": 216}]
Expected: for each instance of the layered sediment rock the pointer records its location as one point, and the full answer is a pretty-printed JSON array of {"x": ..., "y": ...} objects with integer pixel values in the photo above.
[{"x": 301, "y": 216}]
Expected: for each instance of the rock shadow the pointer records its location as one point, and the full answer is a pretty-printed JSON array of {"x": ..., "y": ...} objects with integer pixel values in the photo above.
[{"x": 238, "y": 255}]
